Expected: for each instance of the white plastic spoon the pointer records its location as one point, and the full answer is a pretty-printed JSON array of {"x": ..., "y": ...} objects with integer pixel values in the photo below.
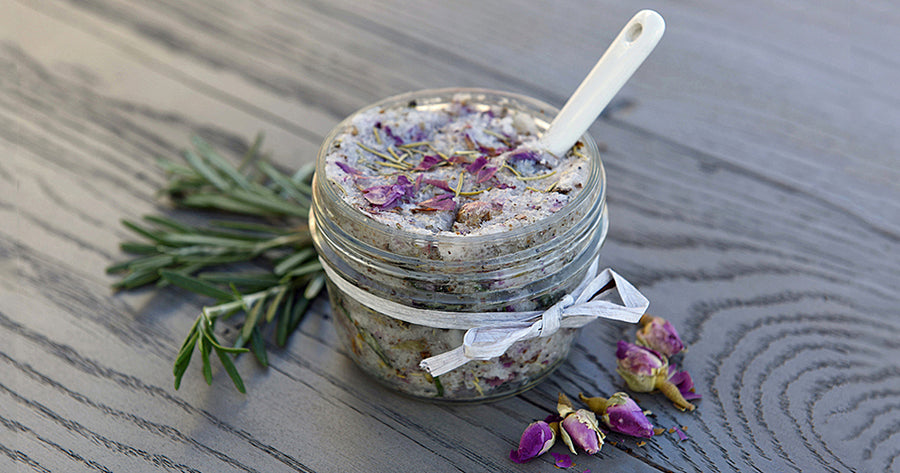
[{"x": 633, "y": 44}]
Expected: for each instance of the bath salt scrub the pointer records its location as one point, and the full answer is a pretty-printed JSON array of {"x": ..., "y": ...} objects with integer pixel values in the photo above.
[
  {"x": 443, "y": 200},
  {"x": 460, "y": 168}
]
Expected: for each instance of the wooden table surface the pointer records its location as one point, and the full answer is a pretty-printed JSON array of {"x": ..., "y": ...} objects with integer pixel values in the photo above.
[{"x": 753, "y": 166}]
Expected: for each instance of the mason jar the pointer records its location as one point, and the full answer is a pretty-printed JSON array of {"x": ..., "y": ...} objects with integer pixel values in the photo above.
[{"x": 526, "y": 268}]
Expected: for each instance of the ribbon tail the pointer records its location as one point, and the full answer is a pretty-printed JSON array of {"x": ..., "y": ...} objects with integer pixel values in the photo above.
[
  {"x": 483, "y": 343},
  {"x": 445, "y": 362}
]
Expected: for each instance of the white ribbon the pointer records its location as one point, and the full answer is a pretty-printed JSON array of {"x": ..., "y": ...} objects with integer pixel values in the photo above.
[{"x": 490, "y": 334}]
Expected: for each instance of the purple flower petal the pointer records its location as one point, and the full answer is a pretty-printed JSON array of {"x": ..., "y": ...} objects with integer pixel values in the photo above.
[
  {"x": 418, "y": 184},
  {"x": 382, "y": 196},
  {"x": 537, "y": 438},
  {"x": 397, "y": 140},
  {"x": 682, "y": 380},
  {"x": 523, "y": 155},
  {"x": 476, "y": 165},
  {"x": 485, "y": 174},
  {"x": 347, "y": 169},
  {"x": 504, "y": 185},
  {"x": 552, "y": 418},
  {"x": 439, "y": 183},
  {"x": 405, "y": 186},
  {"x": 427, "y": 162},
  {"x": 387, "y": 196},
  {"x": 440, "y": 202},
  {"x": 681, "y": 435},
  {"x": 562, "y": 460}
]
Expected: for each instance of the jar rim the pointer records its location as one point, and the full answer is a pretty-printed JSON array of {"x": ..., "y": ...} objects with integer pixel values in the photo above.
[{"x": 597, "y": 175}]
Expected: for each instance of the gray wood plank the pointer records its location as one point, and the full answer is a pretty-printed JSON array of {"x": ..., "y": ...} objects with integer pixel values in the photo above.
[{"x": 753, "y": 191}]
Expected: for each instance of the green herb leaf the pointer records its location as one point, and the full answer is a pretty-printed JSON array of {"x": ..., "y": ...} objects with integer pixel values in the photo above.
[
  {"x": 205, "y": 349},
  {"x": 232, "y": 371},
  {"x": 258, "y": 347},
  {"x": 195, "y": 285}
]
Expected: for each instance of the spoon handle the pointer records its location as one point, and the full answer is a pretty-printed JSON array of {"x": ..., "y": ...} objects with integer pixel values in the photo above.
[{"x": 633, "y": 44}]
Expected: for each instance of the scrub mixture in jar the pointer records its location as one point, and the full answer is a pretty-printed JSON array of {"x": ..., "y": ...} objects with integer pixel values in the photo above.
[
  {"x": 461, "y": 168},
  {"x": 451, "y": 205}
]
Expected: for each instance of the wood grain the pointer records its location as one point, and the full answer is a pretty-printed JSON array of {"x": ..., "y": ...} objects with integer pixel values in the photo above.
[{"x": 753, "y": 169}]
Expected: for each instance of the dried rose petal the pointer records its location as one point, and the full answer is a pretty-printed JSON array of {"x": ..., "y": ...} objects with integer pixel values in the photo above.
[
  {"x": 456, "y": 159},
  {"x": 562, "y": 460},
  {"x": 682, "y": 379},
  {"x": 387, "y": 196},
  {"x": 492, "y": 151},
  {"x": 397, "y": 140},
  {"x": 659, "y": 334},
  {"x": 382, "y": 196},
  {"x": 427, "y": 162},
  {"x": 476, "y": 165},
  {"x": 347, "y": 169},
  {"x": 418, "y": 184},
  {"x": 523, "y": 155},
  {"x": 405, "y": 186},
  {"x": 440, "y": 202},
  {"x": 485, "y": 174},
  {"x": 439, "y": 183},
  {"x": 470, "y": 143},
  {"x": 537, "y": 438}
]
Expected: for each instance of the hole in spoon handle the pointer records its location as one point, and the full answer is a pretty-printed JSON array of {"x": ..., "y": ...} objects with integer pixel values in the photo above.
[{"x": 634, "y": 32}]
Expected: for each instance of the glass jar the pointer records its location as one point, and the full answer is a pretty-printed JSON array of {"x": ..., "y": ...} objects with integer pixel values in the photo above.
[{"x": 528, "y": 268}]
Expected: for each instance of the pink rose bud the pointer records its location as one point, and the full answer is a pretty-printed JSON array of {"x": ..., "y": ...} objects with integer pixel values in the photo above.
[
  {"x": 538, "y": 437},
  {"x": 579, "y": 428},
  {"x": 645, "y": 370},
  {"x": 659, "y": 334},
  {"x": 623, "y": 415}
]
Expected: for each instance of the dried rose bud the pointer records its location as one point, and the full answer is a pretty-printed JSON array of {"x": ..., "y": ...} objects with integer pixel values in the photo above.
[
  {"x": 621, "y": 414},
  {"x": 659, "y": 334},
  {"x": 645, "y": 370},
  {"x": 538, "y": 437},
  {"x": 579, "y": 428},
  {"x": 640, "y": 366}
]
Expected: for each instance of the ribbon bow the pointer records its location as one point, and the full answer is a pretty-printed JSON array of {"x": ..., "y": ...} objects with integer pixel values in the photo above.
[{"x": 587, "y": 303}]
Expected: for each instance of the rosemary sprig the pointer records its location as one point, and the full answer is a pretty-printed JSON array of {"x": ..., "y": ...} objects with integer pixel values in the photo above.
[{"x": 265, "y": 266}]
